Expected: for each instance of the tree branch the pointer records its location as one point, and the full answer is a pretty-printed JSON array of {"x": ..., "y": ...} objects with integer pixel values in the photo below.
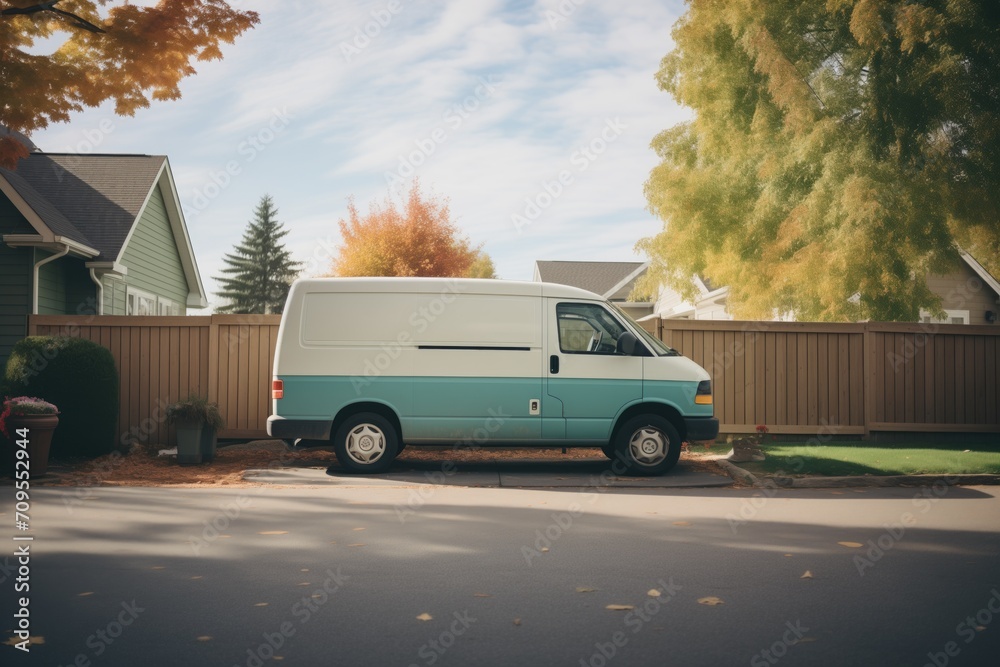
[{"x": 49, "y": 6}]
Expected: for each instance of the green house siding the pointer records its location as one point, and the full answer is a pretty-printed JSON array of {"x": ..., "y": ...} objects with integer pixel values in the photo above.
[
  {"x": 64, "y": 286},
  {"x": 15, "y": 280},
  {"x": 114, "y": 296},
  {"x": 152, "y": 258}
]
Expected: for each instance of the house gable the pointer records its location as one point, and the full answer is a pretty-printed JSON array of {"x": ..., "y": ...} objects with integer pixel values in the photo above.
[
  {"x": 966, "y": 291},
  {"x": 151, "y": 255}
]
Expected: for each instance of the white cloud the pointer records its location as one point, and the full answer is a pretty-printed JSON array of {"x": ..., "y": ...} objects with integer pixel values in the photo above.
[{"x": 355, "y": 114}]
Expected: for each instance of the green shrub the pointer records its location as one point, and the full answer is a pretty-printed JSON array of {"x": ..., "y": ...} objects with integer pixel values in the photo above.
[
  {"x": 196, "y": 408},
  {"x": 77, "y": 375}
]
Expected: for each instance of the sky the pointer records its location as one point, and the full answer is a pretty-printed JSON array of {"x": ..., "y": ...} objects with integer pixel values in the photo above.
[{"x": 533, "y": 119}]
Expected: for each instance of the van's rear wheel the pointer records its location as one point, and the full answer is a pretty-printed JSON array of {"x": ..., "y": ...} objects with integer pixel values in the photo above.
[
  {"x": 647, "y": 445},
  {"x": 366, "y": 442}
]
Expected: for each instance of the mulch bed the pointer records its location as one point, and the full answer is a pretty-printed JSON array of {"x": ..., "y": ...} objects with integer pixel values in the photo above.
[{"x": 141, "y": 467}]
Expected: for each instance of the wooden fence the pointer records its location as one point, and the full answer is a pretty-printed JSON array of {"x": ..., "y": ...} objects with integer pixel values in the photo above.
[
  {"x": 162, "y": 359},
  {"x": 797, "y": 378},
  {"x": 811, "y": 378}
]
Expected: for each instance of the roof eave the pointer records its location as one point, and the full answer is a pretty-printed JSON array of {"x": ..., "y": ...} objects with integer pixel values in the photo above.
[{"x": 51, "y": 242}]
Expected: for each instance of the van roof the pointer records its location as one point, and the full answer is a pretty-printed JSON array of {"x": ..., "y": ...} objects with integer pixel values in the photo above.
[{"x": 441, "y": 285}]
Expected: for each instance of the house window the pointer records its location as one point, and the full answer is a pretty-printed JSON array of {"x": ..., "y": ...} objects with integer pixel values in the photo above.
[
  {"x": 139, "y": 303},
  {"x": 950, "y": 317}
]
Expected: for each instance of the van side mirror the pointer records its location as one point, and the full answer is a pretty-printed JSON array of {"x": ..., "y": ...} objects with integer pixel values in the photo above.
[{"x": 626, "y": 344}]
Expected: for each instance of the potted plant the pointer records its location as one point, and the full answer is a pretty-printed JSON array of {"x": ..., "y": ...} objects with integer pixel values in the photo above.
[
  {"x": 25, "y": 418},
  {"x": 196, "y": 421}
]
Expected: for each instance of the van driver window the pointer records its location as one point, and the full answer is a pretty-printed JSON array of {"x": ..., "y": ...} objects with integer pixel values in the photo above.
[{"x": 586, "y": 328}]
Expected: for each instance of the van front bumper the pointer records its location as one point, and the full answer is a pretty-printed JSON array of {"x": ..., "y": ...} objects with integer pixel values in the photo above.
[
  {"x": 291, "y": 429},
  {"x": 699, "y": 429}
]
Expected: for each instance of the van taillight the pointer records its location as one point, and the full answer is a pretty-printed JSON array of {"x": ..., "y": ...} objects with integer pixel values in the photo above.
[
  {"x": 277, "y": 388},
  {"x": 704, "y": 394}
]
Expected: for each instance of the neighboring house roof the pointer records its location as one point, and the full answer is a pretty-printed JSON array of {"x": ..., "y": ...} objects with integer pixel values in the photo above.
[
  {"x": 671, "y": 305},
  {"x": 95, "y": 202},
  {"x": 612, "y": 280},
  {"x": 981, "y": 271}
]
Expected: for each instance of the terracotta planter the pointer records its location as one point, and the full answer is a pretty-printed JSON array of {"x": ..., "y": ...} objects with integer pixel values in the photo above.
[{"x": 40, "y": 429}]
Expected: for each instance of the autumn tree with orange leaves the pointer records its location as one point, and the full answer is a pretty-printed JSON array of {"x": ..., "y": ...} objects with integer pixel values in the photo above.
[
  {"x": 125, "y": 53},
  {"x": 417, "y": 239}
]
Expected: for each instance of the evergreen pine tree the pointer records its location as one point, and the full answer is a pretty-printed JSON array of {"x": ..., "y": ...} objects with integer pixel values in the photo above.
[{"x": 260, "y": 270}]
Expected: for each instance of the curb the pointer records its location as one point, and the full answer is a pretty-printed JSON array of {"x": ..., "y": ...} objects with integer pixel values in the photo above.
[
  {"x": 738, "y": 474},
  {"x": 869, "y": 481}
]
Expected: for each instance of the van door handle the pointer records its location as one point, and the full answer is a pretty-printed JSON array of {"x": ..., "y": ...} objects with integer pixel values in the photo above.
[{"x": 554, "y": 364}]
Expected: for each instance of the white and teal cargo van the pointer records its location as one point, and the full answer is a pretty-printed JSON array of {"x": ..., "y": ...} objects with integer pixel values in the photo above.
[{"x": 373, "y": 364}]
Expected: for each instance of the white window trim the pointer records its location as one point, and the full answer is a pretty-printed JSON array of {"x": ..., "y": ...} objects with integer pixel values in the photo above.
[
  {"x": 133, "y": 294},
  {"x": 949, "y": 315}
]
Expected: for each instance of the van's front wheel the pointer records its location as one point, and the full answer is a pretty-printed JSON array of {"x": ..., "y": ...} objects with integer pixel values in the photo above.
[
  {"x": 647, "y": 445},
  {"x": 366, "y": 442}
]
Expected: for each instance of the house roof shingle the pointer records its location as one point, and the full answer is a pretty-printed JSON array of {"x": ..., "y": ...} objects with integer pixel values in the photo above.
[
  {"x": 597, "y": 277},
  {"x": 92, "y": 199}
]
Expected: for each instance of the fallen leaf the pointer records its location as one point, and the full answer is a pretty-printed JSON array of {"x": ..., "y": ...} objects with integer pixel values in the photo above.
[
  {"x": 83, "y": 595},
  {"x": 278, "y": 657},
  {"x": 682, "y": 523},
  {"x": 544, "y": 549},
  {"x": 851, "y": 545},
  {"x": 481, "y": 595},
  {"x": 425, "y": 617},
  {"x": 273, "y": 532},
  {"x": 356, "y": 529},
  {"x": 14, "y": 641},
  {"x": 654, "y": 593},
  {"x": 807, "y": 575},
  {"x": 303, "y": 583},
  {"x": 517, "y": 621},
  {"x": 357, "y": 544},
  {"x": 980, "y": 628},
  {"x": 205, "y": 638},
  {"x": 581, "y": 589},
  {"x": 197, "y": 576},
  {"x": 710, "y": 601},
  {"x": 620, "y": 607},
  {"x": 262, "y": 604},
  {"x": 788, "y": 555}
]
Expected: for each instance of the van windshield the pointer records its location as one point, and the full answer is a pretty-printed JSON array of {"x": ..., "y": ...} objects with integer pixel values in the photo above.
[{"x": 658, "y": 347}]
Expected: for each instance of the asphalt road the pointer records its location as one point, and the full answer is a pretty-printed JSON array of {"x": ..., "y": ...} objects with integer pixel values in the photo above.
[{"x": 342, "y": 574}]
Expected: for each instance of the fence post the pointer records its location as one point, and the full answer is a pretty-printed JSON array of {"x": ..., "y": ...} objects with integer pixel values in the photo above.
[
  {"x": 213, "y": 359},
  {"x": 869, "y": 384}
]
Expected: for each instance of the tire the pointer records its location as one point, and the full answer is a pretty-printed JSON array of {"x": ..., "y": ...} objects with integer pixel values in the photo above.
[
  {"x": 366, "y": 443},
  {"x": 646, "y": 445},
  {"x": 609, "y": 450}
]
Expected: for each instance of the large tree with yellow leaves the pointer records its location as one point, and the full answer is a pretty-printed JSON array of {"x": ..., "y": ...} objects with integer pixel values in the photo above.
[
  {"x": 123, "y": 52},
  {"x": 839, "y": 151}
]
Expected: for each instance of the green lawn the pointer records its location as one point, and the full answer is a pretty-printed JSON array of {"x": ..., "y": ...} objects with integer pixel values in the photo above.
[{"x": 866, "y": 459}]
